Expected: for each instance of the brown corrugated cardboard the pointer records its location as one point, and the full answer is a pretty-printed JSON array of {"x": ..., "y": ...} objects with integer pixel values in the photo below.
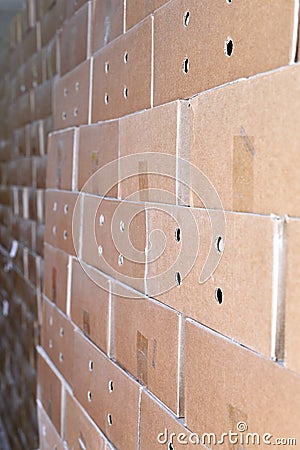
[
  {"x": 107, "y": 22},
  {"x": 59, "y": 217},
  {"x": 60, "y": 171},
  {"x": 74, "y": 5},
  {"x": 90, "y": 304},
  {"x": 53, "y": 20},
  {"x": 114, "y": 239},
  {"x": 157, "y": 424},
  {"x": 213, "y": 44},
  {"x": 103, "y": 400},
  {"x": 149, "y": 349},
  {"x": 72, "y": 97},
  {"x": 247, "y": 163},
  {"x": 51, "y": 55},
  {"x": 191, "y": 248},
  {"x": 49, "y": 438},
  {"x": 137, "y": 10},
  {"x": 74, "y": 45},
  {"x": 57, "y": 339},
  {"x": 292, "y": 336},
  {"x": 122, "y": 74},
  {"x": 56, "y": 276},
  {"x": 49, "y": 390},
  {"x": 235, "y": 389},
  {"x": 98, "y": 146},
  {"x": 43, "y": 100},
  {"x": 80, "y": 430},
  {"x": 160, "y": 130}
]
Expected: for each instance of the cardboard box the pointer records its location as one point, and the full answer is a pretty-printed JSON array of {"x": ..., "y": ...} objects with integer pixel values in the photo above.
[
  {"x": 107, "y": 22},
  {"x": 159, "y": 428},
  {"x": 48, "y": 436},
  {"x": 212, "y": 277},
  {"x": 234, "y": 388},
  {"x": 58, "y": 339},
  {"x": 98, "y": 147},
  {"x": 238, "y": 140},
  {"x": 122, "y": 74},
  {"x": 137, "y": 10},
  {"x": 49, "y": 389},
  {"x": 73, "y": 6},
  {"x": 290, "y": 295},
  {"x": 75, "y": 47},
  {"x": 72, "y": 97},
  {"x": 103, "y": 400},
  {"x": 151, "y": 350},
  {"x": 161, "y": 130},
  {"x": 53, "y": 20},
  {"x": 90, "y": 304},
  {"x": 31, "y": 42},
  {"x": 39, "y": 170},
  {"x": 56, "y": 276},
  {"x": 61, "y": 172},
  {"x": 51, "y": 56},
  {"x": 114, "y": 239},
  {"x": 217, "y": 43},
  {"x": 59, "y": 220},
  {"x": 43, "y": 100},
  {"x": 80, "y": 430}
]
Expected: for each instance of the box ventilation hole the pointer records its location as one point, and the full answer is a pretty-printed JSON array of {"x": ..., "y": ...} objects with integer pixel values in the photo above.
[
  {"x": 66, "y": 208},
  {"x": 65, "y": 235},
  {"x": 186, "y": 18},
  {"x": 61, "y": 331},
  {"x": 106, "y": 67},
  {"x": 75, "y": 112},
  {"x": 125, "y": 92},
  {"x": 77, "y": 86},
  {"x": 178, "y": 278},
  {"x": 106, "y": 99},
  {"x": 122, "y": 226},
  {"x": 219, "y": 295},
  {"x": 65, "y": 92},
  {"x": 111, "y": 386},
  {"x": 55, "y": 206},
  {"x": 126, "y": 57},
  {"x": 91, "y": 366},
  {"x": 170, "y": 446},
  {"x": 100, "y": 250},
  {"x": 185, "y": 65},
  {"x": 228, "y": 48},
  {"x": 178, "y": 234},
  {"x": 89, "y": 396},
  {"x": 121, "y": 260},
  {"x": 220, "y": 244},
  {"x": 109, "y": 419}
]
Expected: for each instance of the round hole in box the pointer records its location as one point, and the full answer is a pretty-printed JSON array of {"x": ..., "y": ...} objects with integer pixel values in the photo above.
[
  {"x": 185, "y": 65},
  {"x": 178, "y": 234},
  {"x": 186, "y": 18},
  {"x": 219, "y": 295},
  {"x": 220, "y": 244},
  {"x": 111, "y": 386},
  {"x": 228, "y": 47},
  {"x": 109, "y": 419},
  {"x": 178, "y": 278}
]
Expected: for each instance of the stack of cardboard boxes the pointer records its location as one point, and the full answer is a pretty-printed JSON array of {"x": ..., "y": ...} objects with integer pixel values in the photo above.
[{"x": 169, "y": 313}]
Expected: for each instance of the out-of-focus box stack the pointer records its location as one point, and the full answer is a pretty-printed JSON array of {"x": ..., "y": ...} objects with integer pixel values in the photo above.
[
  {"x": 169, "y": 312},
  {"x": 28, "y": 70}
]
